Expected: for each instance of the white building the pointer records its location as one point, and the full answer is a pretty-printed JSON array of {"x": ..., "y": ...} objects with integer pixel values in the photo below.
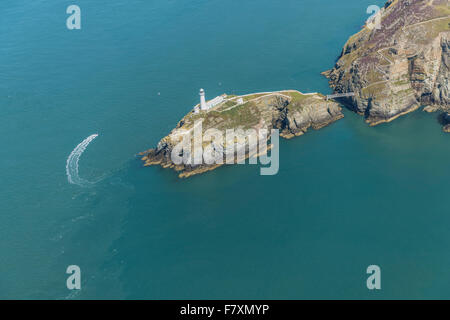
[
  {"x": 210, "y": 104},
  {"x": 196, "y": 109},
  {"x": 203, "y": 105},
  {"x": 214, "y": 102}
]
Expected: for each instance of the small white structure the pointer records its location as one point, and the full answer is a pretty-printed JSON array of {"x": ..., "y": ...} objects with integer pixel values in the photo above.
[
  {"x": 214, "y": 102},
  {"x": 240, "y": 101},
  {"x": 203, "y": 105},
  {"x": 210, "y": 104}
]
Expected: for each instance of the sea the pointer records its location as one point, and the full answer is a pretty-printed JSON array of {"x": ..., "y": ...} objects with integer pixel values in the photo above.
[{"x": 78, "y": 105}]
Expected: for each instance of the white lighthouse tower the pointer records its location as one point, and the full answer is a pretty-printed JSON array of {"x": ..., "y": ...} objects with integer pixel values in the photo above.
[{"x": 203, "y": 105}]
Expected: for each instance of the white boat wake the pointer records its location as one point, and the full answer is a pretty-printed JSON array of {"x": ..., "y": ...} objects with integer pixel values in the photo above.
[{"x": 72, "y": 162}]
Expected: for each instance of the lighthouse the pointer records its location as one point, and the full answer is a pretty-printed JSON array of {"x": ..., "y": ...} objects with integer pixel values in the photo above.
[{"x": 203, "y": 105}]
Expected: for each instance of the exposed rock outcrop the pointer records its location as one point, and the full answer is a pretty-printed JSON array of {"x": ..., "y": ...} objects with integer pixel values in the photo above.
[
  {"x": 291, "y": 112},
  {"x": 399, "y": 67}
]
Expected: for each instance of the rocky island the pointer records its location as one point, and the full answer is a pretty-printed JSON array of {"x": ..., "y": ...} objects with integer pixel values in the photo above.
[
  {"x": 290, "y": 111},
  {"x": 398, "y": 64}
]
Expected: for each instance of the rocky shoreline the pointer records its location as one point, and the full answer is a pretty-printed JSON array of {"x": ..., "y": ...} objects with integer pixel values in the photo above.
[{"x": 291, "y": 112}]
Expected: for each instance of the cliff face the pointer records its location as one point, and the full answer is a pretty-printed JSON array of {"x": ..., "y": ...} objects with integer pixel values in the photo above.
[
  {"x": 291, "y": 112},
  {"x": 400, "y": 66}
]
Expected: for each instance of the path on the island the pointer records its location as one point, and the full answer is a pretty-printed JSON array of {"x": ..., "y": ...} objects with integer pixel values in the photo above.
[
  {"x": 423, "y": 22},
  {"x": 263, "y": 95}
]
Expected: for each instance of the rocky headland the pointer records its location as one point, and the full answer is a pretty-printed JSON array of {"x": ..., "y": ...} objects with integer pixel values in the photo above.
[
  {"x": 290, "y": 111},
  {"x": 398, "y": 65}
]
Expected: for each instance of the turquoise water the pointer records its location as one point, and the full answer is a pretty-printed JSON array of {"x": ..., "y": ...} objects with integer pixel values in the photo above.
[{"x": 345, "y": 197}]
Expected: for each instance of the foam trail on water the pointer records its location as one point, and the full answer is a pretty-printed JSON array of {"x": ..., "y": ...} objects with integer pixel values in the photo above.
[{"x": 72, "y": 162}]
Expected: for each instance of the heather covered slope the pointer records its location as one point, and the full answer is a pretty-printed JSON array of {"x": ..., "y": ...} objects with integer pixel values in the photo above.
[{"x": 400, "y": 66}]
